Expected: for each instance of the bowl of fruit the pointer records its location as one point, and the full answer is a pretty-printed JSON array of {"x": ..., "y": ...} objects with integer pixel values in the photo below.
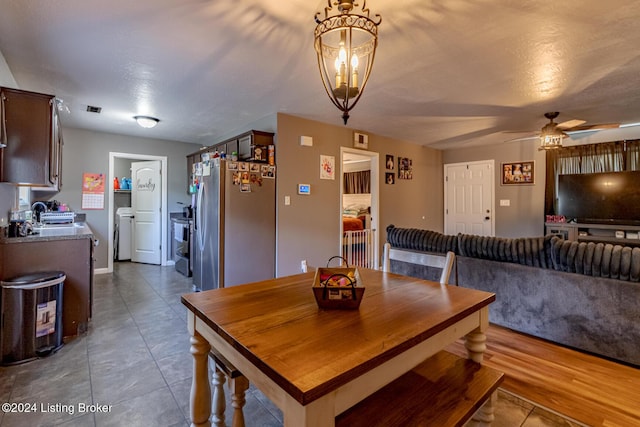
[{"x": 338, "y": 288}]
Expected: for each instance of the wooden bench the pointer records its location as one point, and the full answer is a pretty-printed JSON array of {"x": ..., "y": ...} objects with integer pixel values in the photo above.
[
  {"x": 444, "y": 390},
  {"x": 238, "y": 385}
]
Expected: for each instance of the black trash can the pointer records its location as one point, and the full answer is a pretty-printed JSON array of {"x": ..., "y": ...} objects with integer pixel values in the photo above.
[{"x": 31, "y": 313}]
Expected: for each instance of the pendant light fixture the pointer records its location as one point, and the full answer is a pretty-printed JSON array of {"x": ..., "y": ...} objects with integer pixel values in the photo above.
[
  {"x": 551, "y": 136},
  {"x": 345, "y": 42}
]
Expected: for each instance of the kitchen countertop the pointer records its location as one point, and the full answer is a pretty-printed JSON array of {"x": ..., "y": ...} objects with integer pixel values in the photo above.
[{"x": 78, "y": 230}]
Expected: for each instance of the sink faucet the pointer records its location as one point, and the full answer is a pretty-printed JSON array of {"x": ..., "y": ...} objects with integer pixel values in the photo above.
[{"x": 33, "y": 206}]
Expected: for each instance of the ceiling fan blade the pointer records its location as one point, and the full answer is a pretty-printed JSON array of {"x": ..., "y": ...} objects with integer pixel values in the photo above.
[
  {"x": 594, "y": 127},
  {"x": 516, "y": 131},
  {"x": 569, "y": 124},
  {"x": 523, "y": 138}
]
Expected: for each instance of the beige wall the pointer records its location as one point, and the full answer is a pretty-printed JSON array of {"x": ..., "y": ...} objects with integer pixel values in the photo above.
[
  {"x": 309, "y": 228},
  {"x": 6, "y": 77},
  {"x": 416, "y": 203},
  {"x": 525, "y": 215},
  {"x": 88, "y": 151}
]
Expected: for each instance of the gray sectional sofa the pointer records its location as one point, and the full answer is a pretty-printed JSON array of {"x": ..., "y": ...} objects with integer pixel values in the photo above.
[{"x": 582, "y": 295}]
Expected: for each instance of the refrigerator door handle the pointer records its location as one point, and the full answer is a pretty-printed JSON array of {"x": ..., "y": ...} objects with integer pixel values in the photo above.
[{"x": 199, "y": 226}]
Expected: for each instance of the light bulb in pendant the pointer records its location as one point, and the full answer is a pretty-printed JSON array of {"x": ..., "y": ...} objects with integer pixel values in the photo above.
[{"x": 354, "y": 70}]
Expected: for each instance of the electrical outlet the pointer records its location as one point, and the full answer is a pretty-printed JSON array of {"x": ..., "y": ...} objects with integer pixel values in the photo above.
[{"x": 303, "y": 265}]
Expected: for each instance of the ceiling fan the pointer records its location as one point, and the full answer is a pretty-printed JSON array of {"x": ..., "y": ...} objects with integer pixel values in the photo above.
[{"x": 552, "y": 133}]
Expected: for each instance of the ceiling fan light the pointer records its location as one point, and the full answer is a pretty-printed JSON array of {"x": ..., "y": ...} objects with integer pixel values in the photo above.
[
  {"x": 550, "y": 142},
  {"x": 146, "y": 121},
  {"x": 551, "y": 136}
]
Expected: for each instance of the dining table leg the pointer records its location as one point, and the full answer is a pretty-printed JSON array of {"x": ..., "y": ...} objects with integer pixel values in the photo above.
[
  {"x": 219, "y": 404},
  {"x": 476, "y": 344},
  {"x": 200, "y": 398},
  {"x": 320, "y": 412},
  {"x": 238, "y": 387},
  {"x": 485, "y": 416}
]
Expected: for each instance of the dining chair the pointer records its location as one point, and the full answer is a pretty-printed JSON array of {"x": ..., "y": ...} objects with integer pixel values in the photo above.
[{"x": 443, "y": 262}]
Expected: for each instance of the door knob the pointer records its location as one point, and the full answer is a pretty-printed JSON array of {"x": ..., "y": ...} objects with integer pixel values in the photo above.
[{"x": 486, "y": 218}]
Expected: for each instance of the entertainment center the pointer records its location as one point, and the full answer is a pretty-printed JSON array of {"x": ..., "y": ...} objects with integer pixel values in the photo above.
[
  {"x": 599, "y": 207},
  {"x": 605, "y": 233}
]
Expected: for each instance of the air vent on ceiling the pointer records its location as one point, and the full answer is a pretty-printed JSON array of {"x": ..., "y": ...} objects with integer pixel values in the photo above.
[{"x": 92, "y": 109}]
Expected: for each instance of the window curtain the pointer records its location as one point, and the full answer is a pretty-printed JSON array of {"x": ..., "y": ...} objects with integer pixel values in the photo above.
[
  {"x": 604, "y": 157},
  {"x": 607, "y": 157},
  {"x": 633, "y": 155},
  {"x": 357, "y": 182}
]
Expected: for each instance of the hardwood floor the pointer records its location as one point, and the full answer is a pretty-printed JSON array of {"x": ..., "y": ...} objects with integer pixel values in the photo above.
[{"x": 591, "y": 390}]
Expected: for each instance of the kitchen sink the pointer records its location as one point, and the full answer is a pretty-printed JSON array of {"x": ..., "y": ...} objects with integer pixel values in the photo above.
[
  {"x": 58, "y": 226},
  {"x": 46, "y": 230}
]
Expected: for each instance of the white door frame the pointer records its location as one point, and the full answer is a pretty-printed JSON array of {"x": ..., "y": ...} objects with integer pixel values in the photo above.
[
  {"x": 164, "y": 217},
  {"x": 375, "y": 197},
  {"x": 491, "y": 163}
]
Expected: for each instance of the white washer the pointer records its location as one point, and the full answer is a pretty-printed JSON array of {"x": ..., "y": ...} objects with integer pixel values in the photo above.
[{"x": 124, "y": 218}]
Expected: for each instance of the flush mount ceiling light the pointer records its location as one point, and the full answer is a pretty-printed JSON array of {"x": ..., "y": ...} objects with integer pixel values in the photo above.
[
  {"x": 345, "y": 43},
  {"x": 551, "y": 136},
  {"x": 146, "y": 121}
]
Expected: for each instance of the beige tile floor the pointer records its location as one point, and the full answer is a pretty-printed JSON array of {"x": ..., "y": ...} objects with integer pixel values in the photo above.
[{"x": 134, "y": 361}]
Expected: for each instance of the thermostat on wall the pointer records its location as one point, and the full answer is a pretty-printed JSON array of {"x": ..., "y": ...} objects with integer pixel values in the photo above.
[{"x": 304, "y": 189}]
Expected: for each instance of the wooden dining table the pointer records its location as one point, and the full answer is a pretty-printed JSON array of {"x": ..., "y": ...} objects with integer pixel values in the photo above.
[{"x": 315, "y": 363}]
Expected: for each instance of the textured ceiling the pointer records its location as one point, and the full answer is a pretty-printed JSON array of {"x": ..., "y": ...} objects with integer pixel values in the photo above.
[{"x": 447, "y": 74}]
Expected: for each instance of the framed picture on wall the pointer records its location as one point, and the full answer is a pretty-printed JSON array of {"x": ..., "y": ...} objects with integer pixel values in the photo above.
[
  {"x": 360, "y": 140},
  {"x": 389, "y": 162},
  {"x": 518, "y": 173},
  {"x": 405, "y": 168},
  {"x": 327, "y": 167},
  {"x": 389, "y": 178}
]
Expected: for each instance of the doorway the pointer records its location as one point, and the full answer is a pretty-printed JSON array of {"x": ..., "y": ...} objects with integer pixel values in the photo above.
[
  {"x": 359, "y": 208},
  {"x": 469, "y": 192},
  {"x": 114, "y": 158}
]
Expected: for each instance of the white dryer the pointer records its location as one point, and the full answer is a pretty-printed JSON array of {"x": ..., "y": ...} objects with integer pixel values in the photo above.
[{"x": 123, "y": 241}]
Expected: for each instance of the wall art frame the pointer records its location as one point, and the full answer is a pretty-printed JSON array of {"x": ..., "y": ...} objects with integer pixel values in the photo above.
[{"x": 518, "y": 173}]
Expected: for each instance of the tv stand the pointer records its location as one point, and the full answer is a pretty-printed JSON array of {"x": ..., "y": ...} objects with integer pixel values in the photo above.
[{"x": 605, "y": 233}]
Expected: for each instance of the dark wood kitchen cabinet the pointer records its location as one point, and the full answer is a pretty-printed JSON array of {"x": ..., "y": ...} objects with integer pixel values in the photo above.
[
  {"x": 30, "y": 128},
  {"x": 240, "y": 144}
]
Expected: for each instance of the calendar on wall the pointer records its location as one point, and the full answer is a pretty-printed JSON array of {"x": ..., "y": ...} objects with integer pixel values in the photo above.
[{"x": 93, "y": 190}]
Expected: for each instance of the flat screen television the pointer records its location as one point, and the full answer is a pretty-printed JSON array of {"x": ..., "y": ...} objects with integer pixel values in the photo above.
[{"x": 600, "y": 198}]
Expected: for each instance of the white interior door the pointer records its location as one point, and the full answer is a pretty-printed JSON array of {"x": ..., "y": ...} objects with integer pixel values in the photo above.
[
  {"x": 146, "y": 202},
  {"x": 468, "y": 198}
]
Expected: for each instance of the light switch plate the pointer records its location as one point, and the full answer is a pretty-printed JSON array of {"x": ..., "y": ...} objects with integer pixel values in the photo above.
[{"x": 505, "y": 202}]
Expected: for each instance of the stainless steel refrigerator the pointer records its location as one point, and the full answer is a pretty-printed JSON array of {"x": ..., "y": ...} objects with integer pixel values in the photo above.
[{"x": 234, "y": 226}]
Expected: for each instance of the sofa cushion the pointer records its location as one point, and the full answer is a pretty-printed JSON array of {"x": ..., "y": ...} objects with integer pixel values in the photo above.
[
  {"x": 634, "y": 270},
  {"x": 596, "y": 265},
  {"x": 605, "y": 266},
  {"x": 547, "y": 252},
  {"x": 625, "y": 263}
]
